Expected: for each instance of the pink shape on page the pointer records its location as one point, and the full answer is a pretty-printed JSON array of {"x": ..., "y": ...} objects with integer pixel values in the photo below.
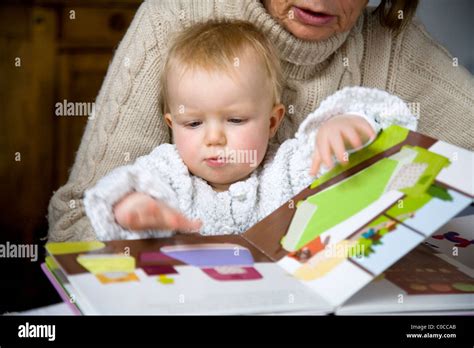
[{"x": 224, "y": 273}]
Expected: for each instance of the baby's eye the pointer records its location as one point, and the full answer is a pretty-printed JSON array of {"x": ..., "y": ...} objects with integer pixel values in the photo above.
[
  {"x": 236, "y": 120},
  {"x": 193, "y": 124}
]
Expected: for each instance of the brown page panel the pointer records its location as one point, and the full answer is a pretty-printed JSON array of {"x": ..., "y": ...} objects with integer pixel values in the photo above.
[{"x": 422, "y": 272}]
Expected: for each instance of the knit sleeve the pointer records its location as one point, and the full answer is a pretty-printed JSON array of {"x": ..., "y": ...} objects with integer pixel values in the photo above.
[
  {"x": 126, "y": 124},
  {"x": 150, "y": 174},
  {"x": 437, "y": 85},
  {"x": 379, "y": 108}
]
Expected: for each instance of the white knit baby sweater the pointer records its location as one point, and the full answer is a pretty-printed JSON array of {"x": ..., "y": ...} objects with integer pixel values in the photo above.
[{"x": 283, "y": 173}]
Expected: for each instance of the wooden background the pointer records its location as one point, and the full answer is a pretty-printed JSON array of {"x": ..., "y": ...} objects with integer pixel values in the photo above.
[{"x": 50, "y": 51}]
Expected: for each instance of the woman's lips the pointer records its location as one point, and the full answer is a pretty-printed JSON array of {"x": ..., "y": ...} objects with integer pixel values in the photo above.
[
  {"x": 312, "y": 18},
  {"x": 216, "y": 162}
]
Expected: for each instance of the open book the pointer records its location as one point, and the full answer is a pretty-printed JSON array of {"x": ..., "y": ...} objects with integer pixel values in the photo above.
[{"x": 334, "y": 247}]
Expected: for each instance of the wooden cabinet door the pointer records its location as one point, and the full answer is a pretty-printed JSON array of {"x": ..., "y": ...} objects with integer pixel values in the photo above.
[
  {"x": 45, "y": 58},
  {"x": 26, "y": 94}
]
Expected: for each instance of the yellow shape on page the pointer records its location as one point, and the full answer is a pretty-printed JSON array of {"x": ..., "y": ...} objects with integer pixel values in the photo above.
[
  {"x": 73, "y": 247},
  {"x": 325, "y": 261},
  {"x": 107, "y": 263}
]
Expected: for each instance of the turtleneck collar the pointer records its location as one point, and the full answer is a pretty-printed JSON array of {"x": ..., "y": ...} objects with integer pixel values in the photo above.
[{"x": 292, "y": 49}]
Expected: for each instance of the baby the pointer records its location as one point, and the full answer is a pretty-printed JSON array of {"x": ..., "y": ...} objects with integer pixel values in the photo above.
[{"x": 221, "y": 90}]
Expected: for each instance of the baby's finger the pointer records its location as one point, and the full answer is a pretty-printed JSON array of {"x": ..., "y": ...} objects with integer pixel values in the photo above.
[
  {"x": 325, "y": 152},
  {"x": 174, "y": 220},
  {"x": 147, "y": 217},
  {"x": 154, "y": 215},
  {"x": 132, "y": 220},
  {"x": 187, "y": 225},
  {"x": 353, "y": 137},
  {"x": 170, "y": 219},
  {"x": 366, "y": 129},
  {"x": 337, "y": 145},
  {"x": 316, "y": 162}
]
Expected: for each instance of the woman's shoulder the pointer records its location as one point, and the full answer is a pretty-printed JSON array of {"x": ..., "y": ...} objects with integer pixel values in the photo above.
[
  {"x": 419, "y": 54},
  {"x": 189, "y": 10},
  {"x": 409, "y": 53},
  {"x": 165, "y": 17},
  {"x": 413, "y": 36}
]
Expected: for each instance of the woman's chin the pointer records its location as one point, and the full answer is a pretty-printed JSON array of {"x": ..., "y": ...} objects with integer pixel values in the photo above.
[{"x": 307, "y": 32}]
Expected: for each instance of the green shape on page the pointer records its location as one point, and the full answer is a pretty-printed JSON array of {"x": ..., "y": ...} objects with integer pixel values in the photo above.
[
  {"x": 440, "y": 193},
  {"x": 363, "y": 188},
  {"x": 362, "y": 248},
  {"x": 466, "y": 287},
  {"x": 386, "y": 139},
  {"x": 435, "y": 164}
]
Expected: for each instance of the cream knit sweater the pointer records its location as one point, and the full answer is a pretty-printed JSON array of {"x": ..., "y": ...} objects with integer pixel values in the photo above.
[{"x": 127, "y": 121}]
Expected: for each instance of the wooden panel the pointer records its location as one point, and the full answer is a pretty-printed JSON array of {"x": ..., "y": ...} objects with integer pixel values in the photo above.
[
  {"x": 26, "y": 96},
  {"x": 54, "y": 66},
  {"x": 94, "y": 27}
]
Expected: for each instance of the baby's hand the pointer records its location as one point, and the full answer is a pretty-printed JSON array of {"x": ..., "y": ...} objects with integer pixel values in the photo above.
[
  {"x": 138, "y": 211},
  {"x": 335, "y": 135}
]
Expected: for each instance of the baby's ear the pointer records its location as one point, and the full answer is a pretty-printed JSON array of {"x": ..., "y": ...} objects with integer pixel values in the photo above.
[
  {"x": 168, "y": 120},
  {"x": 276, "y": 117}
]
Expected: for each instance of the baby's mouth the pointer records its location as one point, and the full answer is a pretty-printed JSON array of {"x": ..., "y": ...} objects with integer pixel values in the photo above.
[{"x": 215, "y": 162}]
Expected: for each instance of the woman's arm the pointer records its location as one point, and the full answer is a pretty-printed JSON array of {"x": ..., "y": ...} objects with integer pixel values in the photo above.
[{"x": 127, "y": 123}]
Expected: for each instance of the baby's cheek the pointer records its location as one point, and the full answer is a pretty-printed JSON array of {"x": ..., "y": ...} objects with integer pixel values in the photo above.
[
  {"x": 186, "y": 146},
  {"x": 255, "y": 143}
]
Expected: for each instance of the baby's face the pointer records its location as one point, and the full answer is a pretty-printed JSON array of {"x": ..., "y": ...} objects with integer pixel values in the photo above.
[{"x": 222, "y": 123}]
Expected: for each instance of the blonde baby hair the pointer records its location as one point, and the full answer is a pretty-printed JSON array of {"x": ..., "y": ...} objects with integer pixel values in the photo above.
[{"x": 217, "y": 46}]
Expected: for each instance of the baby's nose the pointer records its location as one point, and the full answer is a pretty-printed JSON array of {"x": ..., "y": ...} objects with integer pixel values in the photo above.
[{"x": 216, "y": 136}]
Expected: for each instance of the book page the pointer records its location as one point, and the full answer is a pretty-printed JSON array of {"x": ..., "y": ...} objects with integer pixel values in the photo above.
[
  {"x": 424, "y": 280},
  {"x": 362, "y": 225},
  {"x": 195, "y": 292}
]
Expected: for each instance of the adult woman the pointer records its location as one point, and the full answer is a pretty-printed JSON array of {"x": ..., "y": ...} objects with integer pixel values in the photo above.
[{"x": 324, "y": 46}]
